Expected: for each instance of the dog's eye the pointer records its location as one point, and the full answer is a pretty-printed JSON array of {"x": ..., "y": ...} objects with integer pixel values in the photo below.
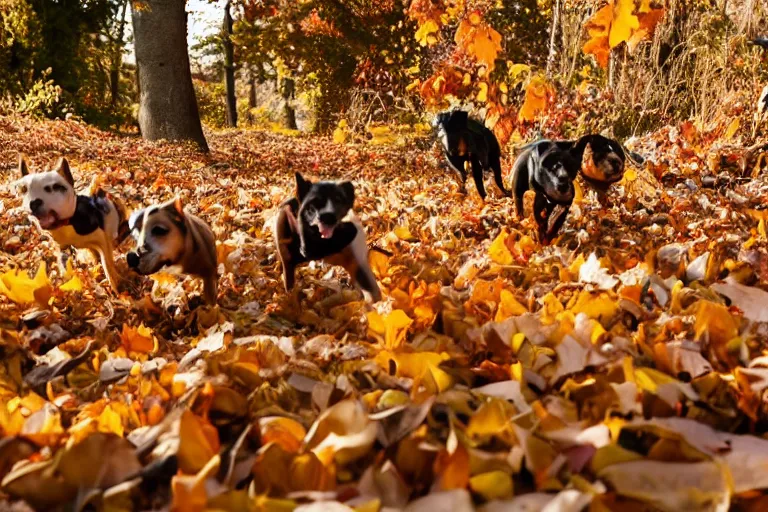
[
  {"x": 311, "y": 210},
  {"x": 59, "y": 188},
  {"x": 159, "y": 231},
  {"x": 23, "y": 189},
  {"x": 47, "y": 189}
]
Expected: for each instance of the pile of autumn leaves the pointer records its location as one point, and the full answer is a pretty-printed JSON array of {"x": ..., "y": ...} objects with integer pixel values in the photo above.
[{"x": 497, "y": 375}]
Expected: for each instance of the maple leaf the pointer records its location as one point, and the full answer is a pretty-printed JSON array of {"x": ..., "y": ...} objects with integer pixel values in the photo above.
[
  {"x": 598, "y": 27},
  {"x": 479, "y": 40},
  {"x": 624, "y": 22}
]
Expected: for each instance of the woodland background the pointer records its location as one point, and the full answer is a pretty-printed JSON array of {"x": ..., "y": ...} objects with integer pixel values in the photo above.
[{"x": 622, "y": 368}]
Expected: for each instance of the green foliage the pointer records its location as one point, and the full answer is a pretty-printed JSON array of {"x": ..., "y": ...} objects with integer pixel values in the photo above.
[
  {"x": 42, "y": 99},
  {"x": 211, "y": 102}
]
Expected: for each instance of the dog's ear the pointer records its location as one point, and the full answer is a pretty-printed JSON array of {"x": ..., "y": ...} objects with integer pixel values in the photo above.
[
  {"x": 302, "y": 187},
  {"x": 62, "y": 167},
  {"x": 176, "y": 206},
  {"x": 23, "y": 169},
  {"x": 136, "y": 220},
  {"x": 348, "y": 192}
]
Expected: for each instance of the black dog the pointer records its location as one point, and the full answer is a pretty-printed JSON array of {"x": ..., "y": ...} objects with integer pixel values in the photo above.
[
  {"x": 548, "y": 168},
  {"x": 466, "y": 140},
  {"x": 602, "y": 162},
  {"x": 310, "y": 227}
]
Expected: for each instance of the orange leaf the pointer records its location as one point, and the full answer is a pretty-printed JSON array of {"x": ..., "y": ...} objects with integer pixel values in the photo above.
[
  {"x": 648, "y": 21},
  {"x": 137, "y": 339},
  {"x": 479, "y": 40},
  {"x": 286, "y": 432},
  {"x": 198, "y": 443},
  {"x": 535, "y": 99},
  {"x": 452, "y": 469},
  {"x": 598, "y": 28}
]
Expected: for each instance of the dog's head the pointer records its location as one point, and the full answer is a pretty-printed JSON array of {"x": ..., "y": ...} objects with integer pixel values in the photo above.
[
  {"x": 603, "y": 158},
  {"x": 49, "y": 196},
  {"x": 160, "y": 232},
  {"x": 448, "y": 127},
  {"x": 555, "y": 172},
  {"x": 324, "y": 204}
]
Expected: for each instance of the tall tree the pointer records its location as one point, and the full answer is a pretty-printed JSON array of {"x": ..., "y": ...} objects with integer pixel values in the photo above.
[
  {"x": 167, "y": 103},
  {"x": 117, "y": 55},
  {"x": 229, "y": 67}
]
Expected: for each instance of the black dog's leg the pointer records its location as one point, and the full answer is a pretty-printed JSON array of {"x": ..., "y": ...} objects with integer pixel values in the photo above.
[
  {"x": 520, "y": 182},
  {"x": 457, "y": 164},
  {"x": 477, "y": 175},
  {"x": 542, "y": 209},
  {"x": 495, "y": 164}
]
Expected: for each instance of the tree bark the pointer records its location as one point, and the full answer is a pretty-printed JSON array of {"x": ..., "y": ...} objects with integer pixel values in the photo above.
[
  {"x": 552, "y": 35},
  {"x": 229, "y": 67},
  {"x": 167, "y": 103},
  {"x": 289, "y": 114},
  {"x": 117, "y": 57}
]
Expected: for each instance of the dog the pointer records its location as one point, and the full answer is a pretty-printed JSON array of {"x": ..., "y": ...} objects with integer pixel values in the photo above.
[
  {"x": 466, "y": 140},
  {"x": 549, "y": 169},
  {"x": 311, "y": 227},
  {"x": 97, "y": 222},
  {"x": 602, "y": 162},
  {"x": 166, "y": 235}
]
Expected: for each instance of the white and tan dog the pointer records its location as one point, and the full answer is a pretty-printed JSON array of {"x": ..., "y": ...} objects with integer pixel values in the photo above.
[
  {"x": 166, "y": 235},
  {"x": 96, "y": 222}
]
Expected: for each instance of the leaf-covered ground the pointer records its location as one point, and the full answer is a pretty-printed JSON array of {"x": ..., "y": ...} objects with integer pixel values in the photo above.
[{"x": 621, "y": 368}]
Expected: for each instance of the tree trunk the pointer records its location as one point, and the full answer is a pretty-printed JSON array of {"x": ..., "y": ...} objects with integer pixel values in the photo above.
[
  {"x": 117, "y": 58},
  {"x": 289, "y": 114},
  {"x": 252, "y": 103},
  {"x": 167, "y": 103},
  {"x": 552, "y": 35},
  {"x": 229, "y": 67}
]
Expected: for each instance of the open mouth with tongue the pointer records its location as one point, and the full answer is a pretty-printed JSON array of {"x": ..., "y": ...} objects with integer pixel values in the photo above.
[
  {"x": 47, "y": 220},
  {"x": 325, "y": 230}
]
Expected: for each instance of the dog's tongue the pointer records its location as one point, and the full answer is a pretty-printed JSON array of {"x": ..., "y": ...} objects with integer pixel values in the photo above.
[
  {"x": 47, "y": 220},
  {"x": 326, "y": 231}
]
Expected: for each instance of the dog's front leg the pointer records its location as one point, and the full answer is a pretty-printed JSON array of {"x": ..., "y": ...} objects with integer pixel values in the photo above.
[
  {"x": 456, "y": 163},
  {"x": 104, "y": 249},
  {"x": 210, "y": 289}
]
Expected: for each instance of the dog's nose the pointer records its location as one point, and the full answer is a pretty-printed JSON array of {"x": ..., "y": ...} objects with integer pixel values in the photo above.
[
  {"x": 132, "y": 259},
  {"x": 329, "y": 219},
  {"x": 36, "y": 204},
  {"x": 562, "y": 186}
]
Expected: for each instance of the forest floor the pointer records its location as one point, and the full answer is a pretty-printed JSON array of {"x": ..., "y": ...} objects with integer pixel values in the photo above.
[{"x": 623, "y": 366}]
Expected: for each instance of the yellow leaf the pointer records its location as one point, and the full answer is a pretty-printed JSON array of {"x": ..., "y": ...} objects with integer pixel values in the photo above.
[
  {"x": 20, "y": 288},
  {"x": 611, "y": 454},
  {"x": 598, "y": 306},
  {"x": 482, "y": 94},
  {"x": 73, "y": 285},
  {"x": 535, "y": 99},
  {"x": 427, "y": 29},
  {"x": 436, "y": 380},
  {"x": 393, "y": 327},
  {"x": 494, "y": 485},
  {"x": 198, "y": 443},
  {"x": 716, "y": 322},
  {"x": 624, "y": 22},
  {"x": 110, "y": 421},
  {"x": 410, "y": 364},
  {"x": 339, "y": 136},
  {"x": 509, "y": 306},
  {"x": 732, "y": 129},
  {"x": 404, "y": 233},
  {"x": 499, "y": 252},
  {"x": 492, "y": 418}
]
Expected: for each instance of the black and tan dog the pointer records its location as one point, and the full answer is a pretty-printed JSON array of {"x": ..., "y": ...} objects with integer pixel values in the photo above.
[
  {"x": 96, "y": 222},
  {"x": 466, "y": 140},
  {"x": 548, "y": 168},
  {"x": 166, "y": 235},
  {"x": 311, "y": 227}
]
